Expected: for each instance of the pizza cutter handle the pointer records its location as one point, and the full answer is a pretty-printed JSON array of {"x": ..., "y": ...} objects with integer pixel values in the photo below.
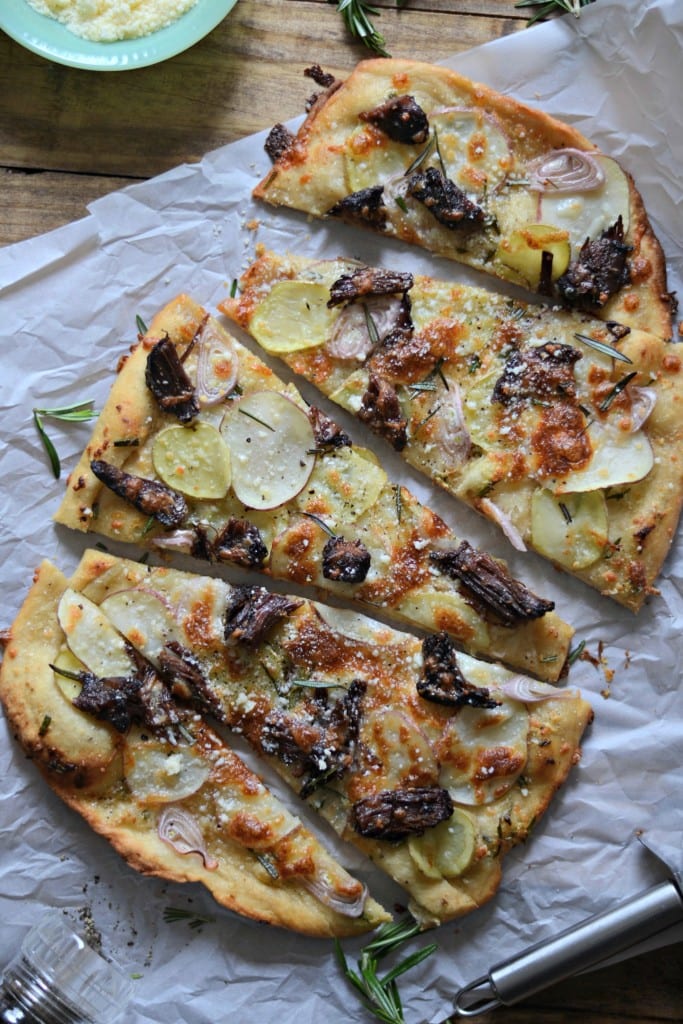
[{"x": 577, "y": 949}]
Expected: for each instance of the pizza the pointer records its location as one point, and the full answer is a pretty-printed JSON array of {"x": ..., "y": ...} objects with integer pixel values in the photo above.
[
  {"x": 200, "y": 449},
  {"x": 144, "y": 768},
  {"x": 563, "y": 430},
  {"x": 433, "y": 763},
  {"x": 419, "y": 153}
]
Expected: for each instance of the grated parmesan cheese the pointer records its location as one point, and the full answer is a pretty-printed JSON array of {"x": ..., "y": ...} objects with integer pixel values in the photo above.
[{"x": 105, "y": 21}]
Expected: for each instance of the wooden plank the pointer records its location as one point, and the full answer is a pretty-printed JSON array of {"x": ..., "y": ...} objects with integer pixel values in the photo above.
[{"x": 34, "y": 202}]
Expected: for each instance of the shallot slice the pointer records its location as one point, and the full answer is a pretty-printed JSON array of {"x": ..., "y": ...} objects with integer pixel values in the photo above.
[
  {"x": 348, "y": 904},
  {"x": 180, "y": 830},
  {"x": 494, "y": 512},
  {"x": 217, "y": 366},
  {"x": 352, "y": 332},
  {"x": 529, "y": 691},
  {"x": 642, "y": 403},
  {"x": 565, "y": 170}
]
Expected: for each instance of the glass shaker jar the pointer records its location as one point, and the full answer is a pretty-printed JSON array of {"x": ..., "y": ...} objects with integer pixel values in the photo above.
[{"x": 56, "y": 978}]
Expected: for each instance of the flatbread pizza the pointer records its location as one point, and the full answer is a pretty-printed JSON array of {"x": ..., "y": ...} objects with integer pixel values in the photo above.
[
  {"x": 201, "y": 449},
  {"x": 561, "y": 429},
  {"x": 432, "y": 763},
  {"x": 419, "y": 153},
  {"x": 150, "y": 775}
]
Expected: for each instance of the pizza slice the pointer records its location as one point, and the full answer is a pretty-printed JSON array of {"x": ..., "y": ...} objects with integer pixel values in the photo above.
[
  {"x": 418, "y": 152},
  {"x": 146, "y": 772},
  {"x": 563, "y": 430},
  {"x": 432, "y": 763},
  {"x": 201, "y": 449}
]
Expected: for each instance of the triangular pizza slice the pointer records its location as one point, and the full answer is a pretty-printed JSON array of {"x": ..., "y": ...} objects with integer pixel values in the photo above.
[
  {"x": 563, "y": 430},
  {"x": 112, "y": 739},
  {"x": 201, "y": 449},
  {"x": 432, "y": 763},
  {"x": 417, "y": 152}
]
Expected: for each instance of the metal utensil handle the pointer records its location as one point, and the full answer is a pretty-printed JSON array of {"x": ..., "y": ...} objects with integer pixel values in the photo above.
[{"x": 587, "y": 943}]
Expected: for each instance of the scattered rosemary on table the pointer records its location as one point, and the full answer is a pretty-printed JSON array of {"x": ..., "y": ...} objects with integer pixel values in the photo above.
[
  {"x": 194, "y": 920},
  {"x": 357, "y": 15},
  {"x": 380, "y": 994},
  {"x": 547, "y": 7},
  {"x": 77, "y": 413}
]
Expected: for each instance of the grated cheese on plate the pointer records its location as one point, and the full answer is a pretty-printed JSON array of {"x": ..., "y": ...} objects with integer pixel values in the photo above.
[{"x": 105, "y": 21}]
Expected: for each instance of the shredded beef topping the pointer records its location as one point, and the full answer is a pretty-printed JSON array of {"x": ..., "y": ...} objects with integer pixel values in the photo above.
[
  {"x": 252, "y": 611},
  {"x": 444, "y": 199},
  {"x": 166, "y": 378},
  {"x": 148, "y": 496},
  {"x": 320, "y": 77},
  {"x": 401, "y": 118},
  {"x": 240, "y": 542},
  {"x": 599, "y": 272},
  {"x": 395, "y": 814},
  {"x": 345, "y": 561},
  {"x": 488, "y": 584},
  {"x": 326, "y": 432},
  {"x": 381, "y": 410},
  {"x": 182, "y": 671},
  {"x": 442, "y": 681},
  {"x": 278, "y": 142},
  {"x": 368, "y": 281},
  {"x": 365, "y": 206},
  {"x": 542, "y": 372}
]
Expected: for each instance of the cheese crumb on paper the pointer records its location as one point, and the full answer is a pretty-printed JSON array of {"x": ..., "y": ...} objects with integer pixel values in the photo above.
[{"x": 105, "y": 21}]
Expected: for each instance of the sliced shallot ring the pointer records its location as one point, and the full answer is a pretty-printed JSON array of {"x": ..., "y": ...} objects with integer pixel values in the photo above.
[
  {"x": 188, "y": 837},
  {"x": 565, "y": 170},
  {"x": 492, "y": 511},
  {"x": 180, "y": 541},
  {"x": 351, "y": 338},
  {"x": 351, "y": 906},
  {"x": 643, "y": 401},
  {"x": 528, "y": 691},
  {"x": 215, "y": 352}
]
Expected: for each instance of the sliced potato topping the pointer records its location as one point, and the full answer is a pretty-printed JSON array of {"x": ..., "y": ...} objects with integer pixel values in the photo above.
[
  {"x": 446, "y": 850},
  {"x": 194, "y": 460},
  {"x": 570, "y": 528},
  {"x": 91, "y": 637},
  {"x": 523, "y": 250},
  {"x": 343, "y": 485},
  {"x": 272, "y": 447},
  {"x": 294, "y": 315},
  {"x": 160, "y": 773},
  {"x": 619, "y": 458}
]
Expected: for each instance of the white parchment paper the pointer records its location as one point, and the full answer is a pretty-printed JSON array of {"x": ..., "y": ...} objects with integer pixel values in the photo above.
[{"x": 69, "y": 300}]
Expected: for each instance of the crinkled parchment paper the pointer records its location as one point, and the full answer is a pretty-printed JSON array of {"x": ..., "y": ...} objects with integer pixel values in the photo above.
[{"x": 69, "y": 301}]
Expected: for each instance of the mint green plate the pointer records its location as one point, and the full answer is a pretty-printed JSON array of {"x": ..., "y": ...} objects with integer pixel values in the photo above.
[{"x": 52, "y": 40}]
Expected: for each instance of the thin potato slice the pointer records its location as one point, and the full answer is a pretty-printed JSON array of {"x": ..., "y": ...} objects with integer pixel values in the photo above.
[
  {"x": 194, "y": 460},
  {"x": 293, "y": 316}
]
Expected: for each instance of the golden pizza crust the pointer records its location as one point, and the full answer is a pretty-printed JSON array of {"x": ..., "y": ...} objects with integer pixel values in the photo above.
[
  {"x": 401, "y": 582},
  {"x": 322, "y": 643},
  {"x": 81, "y": 759},
  {"x": 312, "y": 174},
  {"x": 466, "y": 332}
]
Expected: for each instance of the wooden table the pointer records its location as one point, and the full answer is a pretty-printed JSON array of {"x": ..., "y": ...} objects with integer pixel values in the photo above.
[{"x": 69, "y": 136}]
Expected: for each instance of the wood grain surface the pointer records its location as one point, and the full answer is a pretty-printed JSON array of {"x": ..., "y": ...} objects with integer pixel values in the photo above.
[{"x": 68, "y": 137}]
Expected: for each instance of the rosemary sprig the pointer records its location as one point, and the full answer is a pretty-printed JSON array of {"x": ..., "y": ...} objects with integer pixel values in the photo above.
[
  {"x": 357, "y": 15},
  {"x": 77, "y": 413},
  {"x": 600, "y": 346},
  {"x": 194, "y": 920},
  {"x": 576, "y": 652},
  {"x": 380, "y": 994},
  {"x": 547, "y": 7},
  {"x": 140, "y": 324},
  {"x": 261, "y": 423},
  {"x": 616, "y": 390}
]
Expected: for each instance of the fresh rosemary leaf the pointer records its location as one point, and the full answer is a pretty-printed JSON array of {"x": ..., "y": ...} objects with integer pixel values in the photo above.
[
  {"x": 576, "y": 653},
  {"x": 357, "y": 15},
  {"x": 233, "y": 288},
  {"x": 600, "y": 346},
  {"x": 616, "y": 390},
  {"x": 401, "y": 203},
  {"x": 251, "y": 416},
  {"x": 547, "y": 7},
  {"x": 398, "y": 497},
  {"x": 371, "y": 325},
  {"x": 380, "y": 995},
  {"x": 419, "y": 159},
  {"x": 77, "y": 413},
  {"x": 140, "y": 324},
  {"x": 44, "y": 725},
  {"x": 321, "y": 523}
]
